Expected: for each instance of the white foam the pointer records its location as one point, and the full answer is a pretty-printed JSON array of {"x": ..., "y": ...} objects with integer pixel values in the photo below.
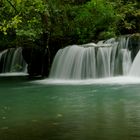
[
  {"x": 112, "y": 80},
  {"x": 13, "y": 74}
]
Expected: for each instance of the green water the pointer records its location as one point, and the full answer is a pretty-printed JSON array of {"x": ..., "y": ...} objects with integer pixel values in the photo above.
[{"x": 30, "y": 111}]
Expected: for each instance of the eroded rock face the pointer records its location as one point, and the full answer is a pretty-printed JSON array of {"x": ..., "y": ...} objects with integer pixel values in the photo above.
[
  {"x": 134, "y": 44},
  {"x": 39, "y": 58},
  {"x": 36, "y": 60}
]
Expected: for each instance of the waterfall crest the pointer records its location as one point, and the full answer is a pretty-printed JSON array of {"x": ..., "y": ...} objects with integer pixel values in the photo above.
[
  {"x": 11, "y": 60},
  {"x": 89, "y": 61}
]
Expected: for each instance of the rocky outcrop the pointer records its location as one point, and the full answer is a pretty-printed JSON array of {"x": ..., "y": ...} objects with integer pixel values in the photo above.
[{"x": 134, "y": 44}]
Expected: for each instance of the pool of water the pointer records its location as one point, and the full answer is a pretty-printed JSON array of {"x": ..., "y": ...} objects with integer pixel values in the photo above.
[{"x": 36, "y": 111}]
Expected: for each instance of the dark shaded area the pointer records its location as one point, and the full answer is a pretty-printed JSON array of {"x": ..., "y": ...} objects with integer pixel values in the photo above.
[
  {"x": 134, "y": 44},
  {"x": 35, "y": 58},
  {"x": 39, "y": 130},
  {"x": 7, "y": 41},
  {"x": 39, "y": 58}
]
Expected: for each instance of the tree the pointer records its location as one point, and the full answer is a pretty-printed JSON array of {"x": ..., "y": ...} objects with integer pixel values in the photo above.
[
  {"x": 76, "y": 21},
  {"x": 23, "y": 17},
  {"x": 129, "y": 16}
]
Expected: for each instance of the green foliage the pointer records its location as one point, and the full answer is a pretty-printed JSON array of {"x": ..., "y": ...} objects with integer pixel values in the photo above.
[
  {"x": 25, "y": 17},
  {"x": 95, "y": 18},
  {"x": 11, "y": 23},
  {"x": 83, "y": 22},
  {"x": 129, "y": 15},
  {"x": 75, "y": 21}
]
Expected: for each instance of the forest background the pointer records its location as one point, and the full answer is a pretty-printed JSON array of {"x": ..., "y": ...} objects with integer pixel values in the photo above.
[{"x": 53, "y": 24}]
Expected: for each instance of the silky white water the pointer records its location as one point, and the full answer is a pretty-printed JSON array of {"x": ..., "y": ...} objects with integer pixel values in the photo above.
[
  {"x": 135, "y": 69},
  {"x": 92, "y": 61},
  {"x": 12, "y": 61}
]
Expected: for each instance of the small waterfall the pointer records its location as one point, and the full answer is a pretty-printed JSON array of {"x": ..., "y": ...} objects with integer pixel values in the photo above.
[
  {"x": 89, "y": 61},
  {"x": 126, "y": 63},
  {"x": 135, "y": 69},
  {"x": 11, "y": 60},
  {"x": 103, "y": 62},
  {"x": 74, "y": 62}
]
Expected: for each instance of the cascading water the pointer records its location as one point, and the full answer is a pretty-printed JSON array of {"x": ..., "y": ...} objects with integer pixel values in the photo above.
[
  {"x": 89, "y": 61},
  {"x": 135, "y": 69},
  {"x": 11, "y": 60}
]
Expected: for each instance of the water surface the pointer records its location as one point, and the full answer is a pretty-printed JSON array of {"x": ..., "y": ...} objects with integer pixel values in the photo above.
[{"x": 36, "y": 111}]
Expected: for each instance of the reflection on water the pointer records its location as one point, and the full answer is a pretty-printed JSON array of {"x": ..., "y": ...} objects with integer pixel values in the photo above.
[{"x": 30, "y": 111}]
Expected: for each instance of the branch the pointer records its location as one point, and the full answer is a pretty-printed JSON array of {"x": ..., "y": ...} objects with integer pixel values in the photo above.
[{"x": 12, "y": 6}]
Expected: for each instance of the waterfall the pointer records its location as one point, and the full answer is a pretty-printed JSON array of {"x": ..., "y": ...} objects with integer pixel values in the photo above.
[
  {"x": 89, "y": 61},
  {"x": 135, "y": 69},
  {"x": 11, "y": 60}
]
